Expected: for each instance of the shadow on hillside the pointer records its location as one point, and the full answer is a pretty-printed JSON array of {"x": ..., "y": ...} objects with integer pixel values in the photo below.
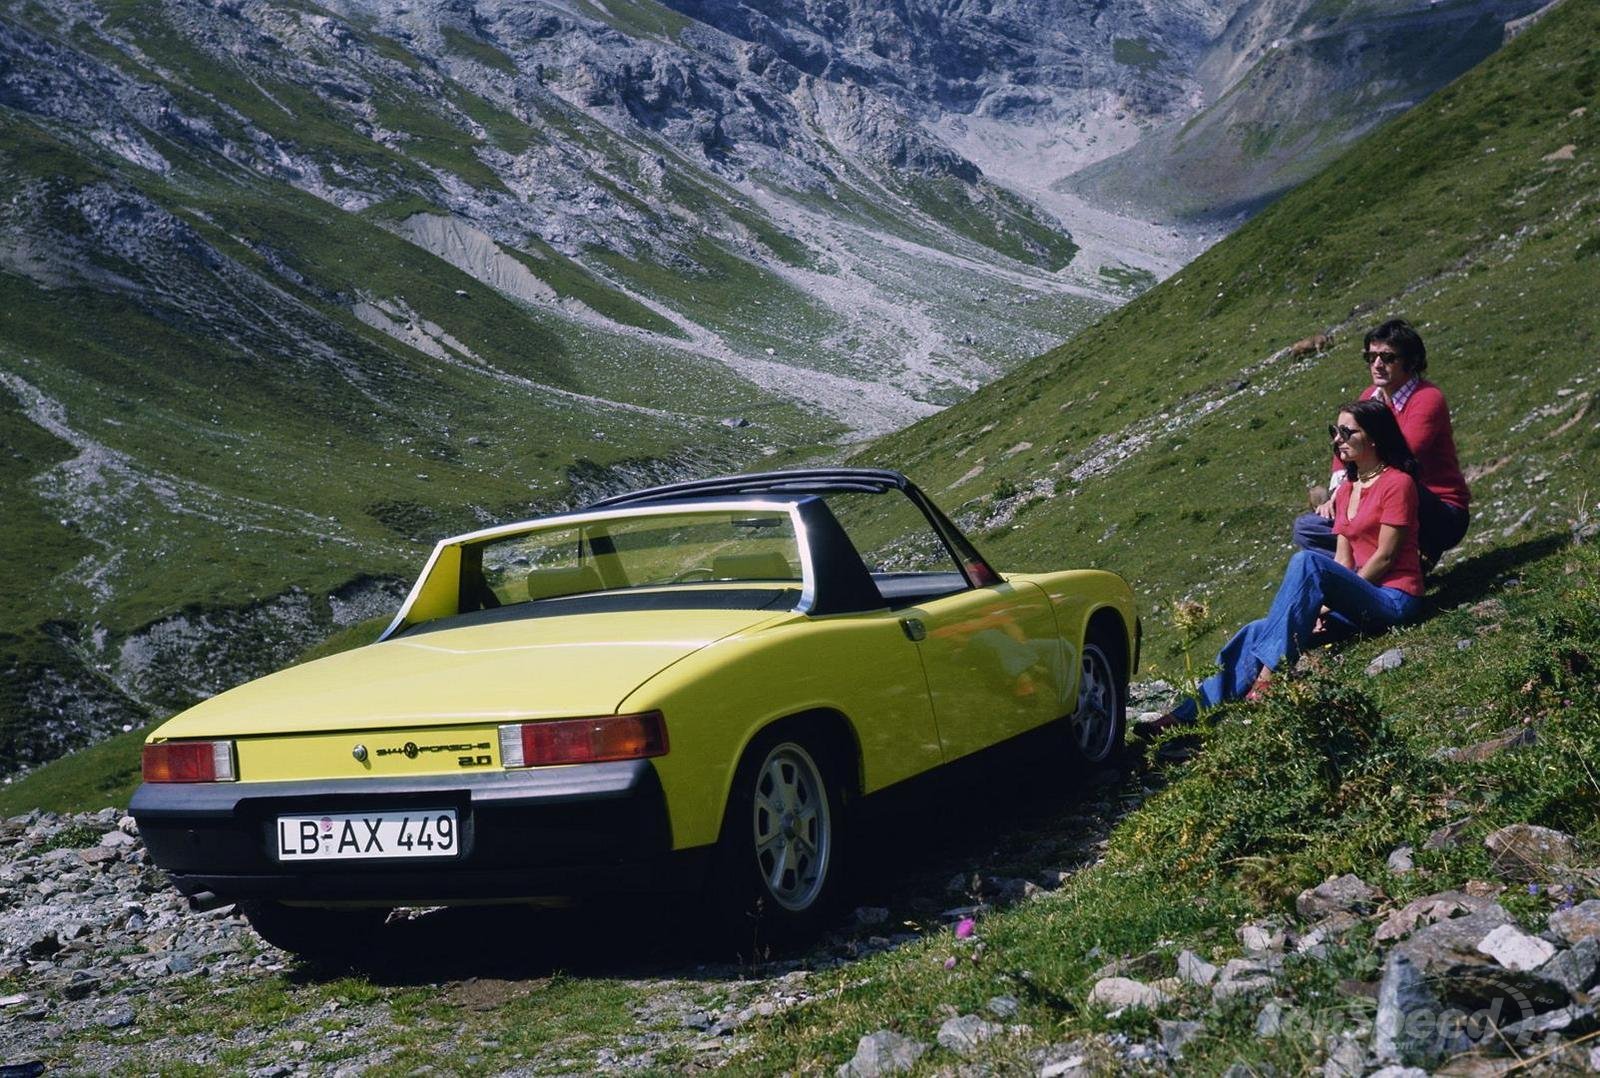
[
  {"x": 1009, "y": 818},
  {"x": 1474, "y": 578}
]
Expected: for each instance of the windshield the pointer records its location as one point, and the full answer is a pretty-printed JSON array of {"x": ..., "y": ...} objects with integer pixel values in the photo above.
[{"x": 624, "y": 552}]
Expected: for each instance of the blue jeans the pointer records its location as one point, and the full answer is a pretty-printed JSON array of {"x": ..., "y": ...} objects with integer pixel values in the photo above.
[{"x": 1311, "y": 582}]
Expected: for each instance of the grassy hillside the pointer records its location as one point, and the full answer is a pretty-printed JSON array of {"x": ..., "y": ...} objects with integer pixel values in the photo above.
[{"x": 1174, "y": 441}]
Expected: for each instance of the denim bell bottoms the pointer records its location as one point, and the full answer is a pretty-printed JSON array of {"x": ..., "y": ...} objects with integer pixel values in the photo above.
[{"x": 1311, "y": 582}]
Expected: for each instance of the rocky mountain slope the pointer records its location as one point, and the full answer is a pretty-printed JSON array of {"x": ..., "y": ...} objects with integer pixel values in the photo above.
[
  {"x": 1290, "y": 85},
  {"x": 287, "y": 291}
]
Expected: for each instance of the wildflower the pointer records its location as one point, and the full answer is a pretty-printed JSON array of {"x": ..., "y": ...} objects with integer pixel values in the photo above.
[
  {"x": 964, "y": 928},
  {"x": 1533, "y": 888},
  {"x": 950, "y": 963}
]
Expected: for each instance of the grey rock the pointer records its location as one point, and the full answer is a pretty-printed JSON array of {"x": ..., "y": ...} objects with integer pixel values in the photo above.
[
  {"x": 1260, "y": 938},
  {"x": 1579, "y": 923},
  {"x": 117, "y": 839},
  {"x": 1397, "y": 1071},
  {"x": 1426, "y": 911},
  {"x": 1515, "y": 949},
  {"x": 1068, "y": 1060},
  {"x": 1269, "y": 1022},
  {"x": 1392, "y": 659},
  {"x": 1192, "y": 969},
  {"x": 1398, "y": 1035},
  {"x": 1003, "y": 1006},
  {"x": 1112, "y": 993},
  {"x": 1447, "y": 837},
  {"x": 964, "y": 1033},
  {"x": 43, "y": 945},
  {"x": 1336, "y": 894},
  {"x": 1448, "y": 943},
  {"x": 1515, "y": 738},
  {"x": 1570, "y": 1021},
  {"x": 117, "y": 1017},
  {"x": 871, "y": 915},
  {"x": 1400, "y": 860},
  {"x": 1576, "y": 969},
  {"x": 1177, "y": 1034},
  {"x": 883, "y": 1052},
  {"x": 1347, "y": 1058},
  {"x": 1530, "y": 853}
]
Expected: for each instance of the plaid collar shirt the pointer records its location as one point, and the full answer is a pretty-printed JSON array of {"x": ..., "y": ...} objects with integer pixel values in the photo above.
[{"x": 1397, "y": 400}]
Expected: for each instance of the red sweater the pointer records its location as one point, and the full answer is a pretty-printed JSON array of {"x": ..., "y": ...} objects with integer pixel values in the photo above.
[
  {"x": 1392, "y": 500},
  {"x": 1425, "y": 422}
]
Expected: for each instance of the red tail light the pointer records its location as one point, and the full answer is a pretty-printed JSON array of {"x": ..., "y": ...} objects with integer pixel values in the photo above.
[
  {"x": 583, "y": 741},
  {"x": 189, "y": 761}
]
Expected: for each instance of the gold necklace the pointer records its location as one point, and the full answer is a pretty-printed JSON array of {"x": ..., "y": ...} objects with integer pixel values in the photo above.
[{"x": 1370, "y": 476}]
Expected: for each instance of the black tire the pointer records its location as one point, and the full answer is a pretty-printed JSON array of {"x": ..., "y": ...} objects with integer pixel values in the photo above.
[
  {"x": 779, "y": 866},
  {"x": 315, "y": 933},
  {"x": 1097, "y": 728}
]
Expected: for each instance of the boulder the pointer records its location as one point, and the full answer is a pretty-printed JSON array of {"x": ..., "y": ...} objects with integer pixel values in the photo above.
[
  {"x": 1515, "y": 949},
  {"x": 1581, "y": 922},
  {"x": 963, "y": 1034},
  {"x": 883, "y": 1052},
  {"x": 1577, "y": 969},
  {"x": 1176, "y": 1035},
  {"x": 1113, "y": 993},
  {"x": 1242, "y": 976},
  {"x": 1347, "y": 893},
  {"x": 1447, "y": 837},
  {"x": 1392, "y": 659},
  {"x": 1192, "y": 969},
  {"x": 1530, "y": 853},
  {"x": 1427, "y": 910},
  {"x": 1514, "y": 738},
  {"x": 1261, "y": 938},
  {"x": 1571, "y": 1021},
  {"x": 1400, "y": 860}
]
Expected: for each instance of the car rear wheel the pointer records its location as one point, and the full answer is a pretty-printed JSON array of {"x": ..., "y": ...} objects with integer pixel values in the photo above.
[
  {"x": 779, "y": 859},
  {"x": 316, "y": 933},
  {"x": 1097, "y": 726}
]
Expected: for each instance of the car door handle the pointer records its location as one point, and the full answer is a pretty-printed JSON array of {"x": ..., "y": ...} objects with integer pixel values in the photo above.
[{"x": 914, "y": 628}]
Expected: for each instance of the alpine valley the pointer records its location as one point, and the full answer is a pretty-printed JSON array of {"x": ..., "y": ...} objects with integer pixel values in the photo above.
[{"x": 287, "y": 291}]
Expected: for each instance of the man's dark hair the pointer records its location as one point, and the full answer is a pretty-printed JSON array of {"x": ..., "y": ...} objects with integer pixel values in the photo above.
[
  {"x": 1377, "y": 422},
  {"x": 1406, "y": 341}
]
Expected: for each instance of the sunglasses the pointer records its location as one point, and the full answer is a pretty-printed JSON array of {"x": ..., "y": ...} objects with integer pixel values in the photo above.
[
  {"x": 1385, "y": 358},
  {"x": 1338, "y": 432}
]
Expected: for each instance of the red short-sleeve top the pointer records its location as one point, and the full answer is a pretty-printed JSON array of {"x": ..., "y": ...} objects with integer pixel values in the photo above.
[{"x": 1392, "y": 500}]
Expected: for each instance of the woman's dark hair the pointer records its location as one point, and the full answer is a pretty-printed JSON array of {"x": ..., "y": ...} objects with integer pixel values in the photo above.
[
  {"x": 1407, "y": 343},
  {"x": 1378, "y": 424}
]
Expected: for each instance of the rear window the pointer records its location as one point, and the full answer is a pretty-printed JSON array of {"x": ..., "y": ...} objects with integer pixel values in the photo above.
[{"x": 619, "y": 553}]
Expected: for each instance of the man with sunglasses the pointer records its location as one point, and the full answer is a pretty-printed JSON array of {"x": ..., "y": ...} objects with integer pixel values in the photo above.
[{"x": 1396, "y": 359}]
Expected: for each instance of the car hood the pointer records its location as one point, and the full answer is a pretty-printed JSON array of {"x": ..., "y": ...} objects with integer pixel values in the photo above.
[{"x": 504, "y": 672}]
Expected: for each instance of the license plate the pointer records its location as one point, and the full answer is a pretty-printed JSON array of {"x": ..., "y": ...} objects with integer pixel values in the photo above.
[{"x": 341, "y": 836}]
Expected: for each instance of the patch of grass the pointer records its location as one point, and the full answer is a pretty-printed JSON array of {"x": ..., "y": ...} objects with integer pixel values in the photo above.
[
  {"x": 1137, "y": 52},
  {"x": 475, "y": 48},
  {"x": 570, "y": 278},
  {"x": 90, "y": 779},
  {"x": 994, "y": 218}
]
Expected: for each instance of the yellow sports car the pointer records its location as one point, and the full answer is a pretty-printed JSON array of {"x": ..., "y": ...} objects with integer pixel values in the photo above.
[{"x": 687, "y": 687}]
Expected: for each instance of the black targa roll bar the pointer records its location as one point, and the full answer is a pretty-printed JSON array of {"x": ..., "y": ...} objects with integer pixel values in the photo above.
[{"x": 974, "y": 567}]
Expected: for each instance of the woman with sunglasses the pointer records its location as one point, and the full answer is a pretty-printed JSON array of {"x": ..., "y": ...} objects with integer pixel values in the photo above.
[
  {"x": 1396, "y": 359},
  {"x": 1373, "y": 581}
]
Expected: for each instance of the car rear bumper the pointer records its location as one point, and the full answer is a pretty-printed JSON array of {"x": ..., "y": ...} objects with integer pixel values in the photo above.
[{"x": 539, "y": 833}]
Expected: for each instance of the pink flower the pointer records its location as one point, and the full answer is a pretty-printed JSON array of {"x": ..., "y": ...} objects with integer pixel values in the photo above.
[
  {"x": 950, "y": 963},
  {"x": 964, "y": 928}
]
